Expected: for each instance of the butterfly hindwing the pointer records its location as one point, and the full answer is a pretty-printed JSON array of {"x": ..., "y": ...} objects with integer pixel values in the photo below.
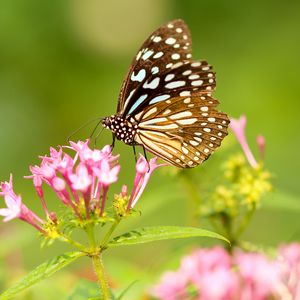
[{"x": 184, "y": 131}]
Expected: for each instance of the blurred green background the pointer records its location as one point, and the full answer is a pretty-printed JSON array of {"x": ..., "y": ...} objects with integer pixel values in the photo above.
[{"x": 62, "y": 63}]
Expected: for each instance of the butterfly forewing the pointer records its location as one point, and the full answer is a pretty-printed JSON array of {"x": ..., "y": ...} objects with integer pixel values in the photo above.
[{"x": 167, "y": 46}]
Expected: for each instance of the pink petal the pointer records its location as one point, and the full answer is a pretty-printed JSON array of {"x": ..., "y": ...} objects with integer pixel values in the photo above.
[{"x": 238, "y": 128}]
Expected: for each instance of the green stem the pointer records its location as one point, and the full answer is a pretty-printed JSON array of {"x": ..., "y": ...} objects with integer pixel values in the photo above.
[
  {"x": 227, "y": 222},
  {"x": 99, "y": 270},
  {"x": 72, "y": 242},
  {"x": 109, "y": 233},
  {"x": 245, "y": 221},
  {"x": 91, "y": 237},
  {"x": 97, "y": 262}
]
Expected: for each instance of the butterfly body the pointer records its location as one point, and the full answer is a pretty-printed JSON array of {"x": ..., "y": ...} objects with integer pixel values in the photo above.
[
  {"x": 165, "y": 104},
  {"x": 122, "y": 128}
]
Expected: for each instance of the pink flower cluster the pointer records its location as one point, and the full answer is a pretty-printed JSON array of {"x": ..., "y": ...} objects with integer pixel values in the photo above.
[
  {"x": 87, "y": 175},
  {"x": 213, "y": 274}
]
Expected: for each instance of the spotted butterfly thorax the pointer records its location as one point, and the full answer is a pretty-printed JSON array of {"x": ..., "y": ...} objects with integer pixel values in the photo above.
[{"x": 165, "y": 103}]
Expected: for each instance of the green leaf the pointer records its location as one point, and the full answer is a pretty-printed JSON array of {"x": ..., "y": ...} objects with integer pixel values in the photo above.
[
  {"x": 85, "y": 290},
  {"x": 152, "y": 234},
  {"x": 42, "y": 272}
]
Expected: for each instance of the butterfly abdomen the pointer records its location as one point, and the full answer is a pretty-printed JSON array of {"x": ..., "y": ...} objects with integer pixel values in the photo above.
[{"x": 122, "y": 129}]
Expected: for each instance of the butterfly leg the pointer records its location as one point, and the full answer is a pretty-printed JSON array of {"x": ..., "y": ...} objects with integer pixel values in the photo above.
[
  {"x": 145, "y": 154},
  {"x": 134, "y": 152},
  {"x": 113, "y": 142}
]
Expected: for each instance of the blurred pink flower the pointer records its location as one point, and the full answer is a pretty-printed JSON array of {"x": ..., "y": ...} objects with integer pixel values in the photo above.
[
  {"x": 204, "y": 260},
  {"x": 238, "y": 127},
  {"x": 213, "y": 274},
  {"x": 290, "y": 259},
  {"x": 260, "y": 275},
  {"x": 261, "y": 143},
  {"x": 171, "y": 287},
  {"x": 225, "y": 284}
]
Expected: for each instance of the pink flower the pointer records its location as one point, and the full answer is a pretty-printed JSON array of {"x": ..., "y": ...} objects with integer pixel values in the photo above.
[
  {"x": 225, "y": 284},
  {"x": 13, "y": 203},
  {"x": 15, "y": 208},
  {"x": 290, "y": 260},
  {"x": 82, "y": 180},
  {"x": 144, "y": 171},
  {"x": 107, "y": 174},
  {"x": 238, "y": 128},
  {"x": 260, "y": 275},
  {"x": 205, "y": 261},
  {"x": 86, "y": 175},
  {"x": 261, "y": 142},
  {"x": 171, "y": 287},
  {"x": 215, "y": 275}
]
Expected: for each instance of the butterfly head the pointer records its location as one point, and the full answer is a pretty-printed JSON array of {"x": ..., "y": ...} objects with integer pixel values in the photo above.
[{"x": 121, "y": 128}]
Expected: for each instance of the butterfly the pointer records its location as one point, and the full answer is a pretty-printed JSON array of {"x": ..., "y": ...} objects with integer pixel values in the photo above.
[{"x": 165, "y": 103}]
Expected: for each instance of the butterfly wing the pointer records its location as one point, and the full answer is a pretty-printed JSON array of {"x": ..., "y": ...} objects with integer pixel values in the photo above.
[
  {"x": 155, "y": 57},
  {"x": 183, "y": 131}
]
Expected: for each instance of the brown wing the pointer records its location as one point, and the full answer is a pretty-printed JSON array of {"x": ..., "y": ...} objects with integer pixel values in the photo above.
[
  {"x": 183, "y": 131},
  {"x": 164, "y": 48}
]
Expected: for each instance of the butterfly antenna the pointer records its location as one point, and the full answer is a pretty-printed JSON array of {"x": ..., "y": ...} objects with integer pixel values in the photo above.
[
  {"x": 83, "y": 126},
  {"x": 97, "y": 136},
  {"x": 96, "y": 127}
]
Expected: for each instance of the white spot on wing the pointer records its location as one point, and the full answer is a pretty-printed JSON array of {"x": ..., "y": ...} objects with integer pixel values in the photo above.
[
  {"x": 194, "y": 143},
  {"x": 158, "y": 54},
  {"x": 139, "y": 55},
  {"x": 140, "y": 76},
  {"x": 175, "y": 84},
  {"x": 152, "y": 85},
  {"x": 197, "y": 83},
  {"x": 194, "y": 76},
  {"x": 137, "y": 103},
  {"x": 147, "y": 54},
  {"x": 154, "y": 70},
  {"x": 184, "y": 150},
  {"x": 196, "y": 64},
  {"x": 175, "y": 56},
  {"x": 187, "y": 72},
  {"x": 169, "y": 77},
  {"x": 157, "y": 39},
  {"x": 159, "y": 98},
  {"x": 128, "y": 98},
  {"x": 185, "y": 93},
  {"x": 170, "y": 41},
  {"x": 153, "y": 121},
  {"x": 150, "y": 112},
  {"x": 187, "y": 121},
  {"x": 180, "y": 115}
]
